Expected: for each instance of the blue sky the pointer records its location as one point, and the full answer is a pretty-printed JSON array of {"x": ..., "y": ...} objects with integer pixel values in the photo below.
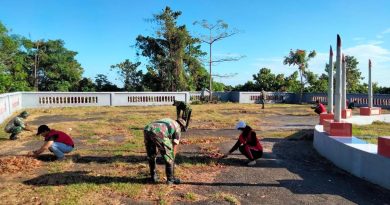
[{"x": 103, "y": 31}]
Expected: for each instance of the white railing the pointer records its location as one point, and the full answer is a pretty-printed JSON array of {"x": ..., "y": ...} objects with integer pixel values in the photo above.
[
  {"x": 71, "y": 99},
  {"x": 271, "y": 97}
]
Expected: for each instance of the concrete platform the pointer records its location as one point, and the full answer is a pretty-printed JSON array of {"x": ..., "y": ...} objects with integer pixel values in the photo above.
[
  {"x": 354, "y": 155},
  {"x": 367, "y": 120}
]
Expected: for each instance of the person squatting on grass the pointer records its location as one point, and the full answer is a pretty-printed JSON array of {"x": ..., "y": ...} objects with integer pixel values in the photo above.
[
  {"x": 163, "y": 135},
  {"x": 247, "y": 143},
  {"x": 56, "y": 141},
  {"x": 186, "y": 109},
  {"x": 17, "y": 125}
]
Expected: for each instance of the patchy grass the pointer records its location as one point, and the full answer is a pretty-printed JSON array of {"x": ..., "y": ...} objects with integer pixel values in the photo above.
[
  {"x": 110, "y": 141},
  {"x": 191, "y": 196},
  {"x": 370, "y": 133},
  {"x": 227, "y": 197}
]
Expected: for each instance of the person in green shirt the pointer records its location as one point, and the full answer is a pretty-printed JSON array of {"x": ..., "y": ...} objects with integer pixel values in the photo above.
[
  {"x": 163, "y": 135},
  {"x": 186, "y": 110},
  {"x": 17, "y": 125}
]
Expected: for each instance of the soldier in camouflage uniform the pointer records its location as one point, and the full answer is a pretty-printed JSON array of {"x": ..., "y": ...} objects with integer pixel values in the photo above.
[
  {"x": 17, "y": 125},
  {"x": 186, "y": 109},
  {"x": 163, "y": 135}
]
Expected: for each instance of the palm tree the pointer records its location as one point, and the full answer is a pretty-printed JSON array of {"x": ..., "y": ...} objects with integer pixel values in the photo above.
[{"x": 299, "y": 58}]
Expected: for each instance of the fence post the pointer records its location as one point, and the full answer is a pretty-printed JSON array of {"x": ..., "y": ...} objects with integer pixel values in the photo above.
[{"x": 112, "y": 99}]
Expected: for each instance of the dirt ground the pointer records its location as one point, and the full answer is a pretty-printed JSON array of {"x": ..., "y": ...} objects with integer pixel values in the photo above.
[{"x": 111, "y": 168}]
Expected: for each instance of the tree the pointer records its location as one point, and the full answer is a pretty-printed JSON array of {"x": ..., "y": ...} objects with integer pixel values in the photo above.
[
  {"x": 13, "y": 76},
  {"x": 56, "y": 67},
  {"x": 353, "y": 74},
  {"x": 86, "y": 85},
  {"x": 301, "y": 59},
  {"x": 264, "y": 79},
  {"x": 221, "y": 32},
  {"x": 169, "y": 52},
  {"x": 129, "y": 75},
  {"x": 103, "y": 84}
]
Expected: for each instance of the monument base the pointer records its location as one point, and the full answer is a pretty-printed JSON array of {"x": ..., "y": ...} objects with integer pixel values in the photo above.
[
  {"x": 347, "y": 113},
  {"x": 384, "y": 146},
  {"x": 339, "y": 129},
  {"x": 370, "y": 111},
  {"x": 326, "y": 116}
]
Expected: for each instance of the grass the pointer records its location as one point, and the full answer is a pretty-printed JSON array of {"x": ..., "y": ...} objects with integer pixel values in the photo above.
[
  {"x": 227, "y": 197},
  {"x": 191, "y": 196},
  {"x": 117, "y": 133},
  {"x": 370, "y": 133}
]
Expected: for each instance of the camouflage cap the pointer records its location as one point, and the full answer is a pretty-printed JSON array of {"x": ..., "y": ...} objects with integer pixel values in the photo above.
[{"x": 24, "y": 114}]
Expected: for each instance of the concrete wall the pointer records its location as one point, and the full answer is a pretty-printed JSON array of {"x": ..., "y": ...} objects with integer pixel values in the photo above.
[
  {"x": 65, "y": 99},
  {"x": 71, "y": 99},
  {"x": 272, "y": 97},
  {"x": 360, "y": 160},
  {"x": 148, "y": 98},
  {"x": 9, "y": 103}
]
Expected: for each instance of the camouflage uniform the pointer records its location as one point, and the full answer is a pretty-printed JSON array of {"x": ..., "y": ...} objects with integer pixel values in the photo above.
[
  {"x": 161, "y": 135},
  {"x": 263, "y": 98},
  {"x": 186, "y": 108},
  {"x": 15, "y": 126}
]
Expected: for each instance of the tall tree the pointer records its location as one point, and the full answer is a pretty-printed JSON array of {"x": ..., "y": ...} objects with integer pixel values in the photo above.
[
  {"x": 299, "y": 58},
  {"x": 12, "y": 63},
  {"x": 56, "y": 66},
  {"x": 129, "y": 75},
  {"x": 216, "y": 32},
  {"x": 103, "y": 84},
  {"x": 168, "y": 50}
]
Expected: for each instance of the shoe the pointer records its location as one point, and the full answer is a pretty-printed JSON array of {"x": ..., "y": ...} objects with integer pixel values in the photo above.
[
  {"x": 251, "y": 163},
  {"x": 173, "y": 181}
]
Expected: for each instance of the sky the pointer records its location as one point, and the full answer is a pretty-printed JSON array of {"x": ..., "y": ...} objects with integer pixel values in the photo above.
[{"x": 103, "y": 32}]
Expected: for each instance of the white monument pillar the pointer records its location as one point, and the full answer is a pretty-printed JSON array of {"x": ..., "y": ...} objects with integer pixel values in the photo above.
[
  {"x": 343, "y": 84},
  {"x": 369, "y": 85},
  {"x": 330, "y": 81},
  {"x": 337, "y": 94}
]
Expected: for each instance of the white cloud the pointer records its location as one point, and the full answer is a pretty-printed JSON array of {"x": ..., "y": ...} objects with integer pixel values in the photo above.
[{"x": 386, "y": 31}]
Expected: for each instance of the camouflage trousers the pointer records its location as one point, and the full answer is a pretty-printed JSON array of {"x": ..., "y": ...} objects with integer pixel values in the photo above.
[
  {"x": 15, "y": 130},
  {"x": 165, "y": 147}
]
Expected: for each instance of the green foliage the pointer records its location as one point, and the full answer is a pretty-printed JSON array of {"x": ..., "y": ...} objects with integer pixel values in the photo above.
[
  {"x": 130, "y": 76},
  {"x": 300, "y": 58},
  {"x": 103, "y": 84},
  {"x": 173, "y": 55},
  {"x": 86, "y": 85},
  {"x": 13, "y": 76}
]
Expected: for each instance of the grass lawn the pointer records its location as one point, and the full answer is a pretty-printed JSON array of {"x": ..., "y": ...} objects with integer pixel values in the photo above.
[{"x": 370, "y": 133}]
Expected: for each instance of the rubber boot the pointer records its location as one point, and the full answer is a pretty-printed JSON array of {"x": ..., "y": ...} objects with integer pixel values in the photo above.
[
  {"x": 169, "y": 169},
  {"x": 13, "y": 137},
  {"x": 153, "y": 171}
]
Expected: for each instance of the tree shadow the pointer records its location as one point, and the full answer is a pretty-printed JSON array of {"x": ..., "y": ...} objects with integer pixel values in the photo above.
[
  {"x": 78, "y": 177},
  {"x": 320, "y": 176}
]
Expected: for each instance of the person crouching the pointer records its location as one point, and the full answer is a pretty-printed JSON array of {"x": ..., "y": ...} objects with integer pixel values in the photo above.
[
  {"x": 247, "y": 143},
  {"x": 55, "y": 141}
]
